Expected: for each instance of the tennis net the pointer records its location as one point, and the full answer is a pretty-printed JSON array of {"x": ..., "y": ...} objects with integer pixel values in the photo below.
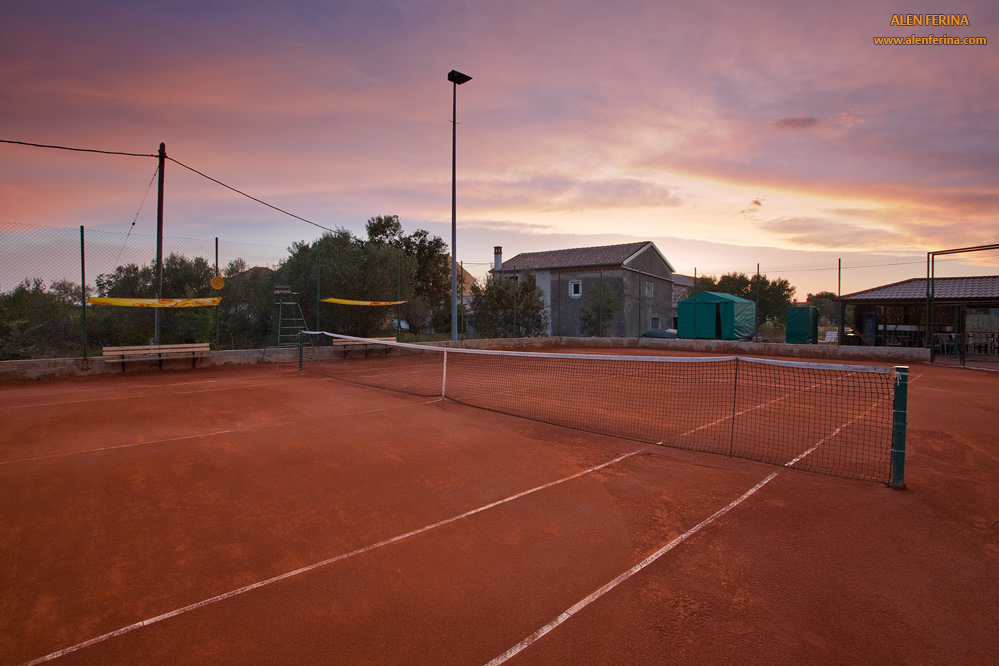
[{"x": 828, "y": 418}]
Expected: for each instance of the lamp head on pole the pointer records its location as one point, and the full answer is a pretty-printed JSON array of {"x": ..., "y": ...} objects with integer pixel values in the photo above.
[{"x": 456, "y": 77}]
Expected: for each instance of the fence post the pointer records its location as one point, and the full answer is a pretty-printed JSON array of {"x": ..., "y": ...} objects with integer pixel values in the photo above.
[
  {"x": 695, "y": 304},
  {"x": 83, "y": 293},
  {"x": 319, "y": 279},
  {"x": 930, "y": 337},
  {"x": 639, "y": 336},
  {"x": 217, "y": 308},
  {"x": 899, "y": 409}
]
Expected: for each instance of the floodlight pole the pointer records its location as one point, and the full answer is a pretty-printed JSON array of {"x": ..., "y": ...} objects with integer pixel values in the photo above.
[{"x": 456, "y": 78}]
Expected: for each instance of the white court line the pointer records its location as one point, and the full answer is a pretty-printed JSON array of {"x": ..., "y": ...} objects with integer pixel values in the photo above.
[
  {"x": 762, "y": 405},
  {"x": 317, "y": 565},
  {"x": 834, "y": 433},
  {"x": 572, "y": 610},
  {"x": 209, "y": 434}
]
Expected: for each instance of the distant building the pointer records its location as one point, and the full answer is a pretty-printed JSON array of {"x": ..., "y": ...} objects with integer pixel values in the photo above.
[
  {"x": 465, "y": 281},
  {"x": 637, "y": 274},
  {"x": 965, "y": 315}
]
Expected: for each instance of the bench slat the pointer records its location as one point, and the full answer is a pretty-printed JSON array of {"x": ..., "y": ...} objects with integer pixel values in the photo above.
[{"x": 156, "y": 352}]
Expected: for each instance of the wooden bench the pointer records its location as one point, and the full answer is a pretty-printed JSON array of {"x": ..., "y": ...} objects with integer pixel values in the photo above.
[
  {"x": 160, "y": 353},
  {"x": 347, "y": 346}
]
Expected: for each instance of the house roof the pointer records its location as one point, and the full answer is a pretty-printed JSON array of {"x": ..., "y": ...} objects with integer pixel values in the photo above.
[
  {"x": 682, "y": 280},
  {"x": 981, "y": 288},
  {"x": 715, "y": 297},
  {"x": 580, "y": 257},
  {"x": 464, "y": 289}
]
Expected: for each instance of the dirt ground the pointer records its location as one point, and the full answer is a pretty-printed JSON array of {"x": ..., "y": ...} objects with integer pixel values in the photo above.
[{"x": 256, "y": 516}]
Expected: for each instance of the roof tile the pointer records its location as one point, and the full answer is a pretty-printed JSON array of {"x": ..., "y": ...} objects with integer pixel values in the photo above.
[
  {"x": 981, "y": 288},
  {"x": 604, "y": 255}
]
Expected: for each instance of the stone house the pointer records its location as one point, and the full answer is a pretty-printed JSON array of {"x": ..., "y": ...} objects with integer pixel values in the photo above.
[{"x": 637, "y": 274}]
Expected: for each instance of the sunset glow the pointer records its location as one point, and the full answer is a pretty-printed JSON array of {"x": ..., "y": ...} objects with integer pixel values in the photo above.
[{"x": 728, "y": 133}]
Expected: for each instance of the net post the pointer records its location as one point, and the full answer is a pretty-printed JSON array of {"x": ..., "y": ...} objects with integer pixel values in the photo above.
[
  {"x": 299, "y": 350},
  {"x": 900, "y": 407},
  {"x": 735, "y": 395},
  {"x": 444, "y": 376}
]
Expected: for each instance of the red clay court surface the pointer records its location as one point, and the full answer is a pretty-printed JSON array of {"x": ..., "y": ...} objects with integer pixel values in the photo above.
[{"x": 262, "y": 516}]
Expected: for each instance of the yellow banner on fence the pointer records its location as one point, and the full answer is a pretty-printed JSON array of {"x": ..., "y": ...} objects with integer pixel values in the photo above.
[
  {"x": 155, "y": 302},
  {"x": 344, "y": 301}
]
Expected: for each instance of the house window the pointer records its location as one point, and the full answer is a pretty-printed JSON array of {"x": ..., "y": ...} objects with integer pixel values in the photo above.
[
  {"x": 655, "y": 323},
  {"x": 575, "y": 288},
  {"x": 650, "y": 289}
]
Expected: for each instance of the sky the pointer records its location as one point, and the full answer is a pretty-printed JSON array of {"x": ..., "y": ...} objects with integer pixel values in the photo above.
[{"x": 729, "y": 133}]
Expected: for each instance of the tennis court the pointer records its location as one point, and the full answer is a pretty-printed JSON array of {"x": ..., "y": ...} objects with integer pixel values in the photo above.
[{"x": 260, "y": 516}]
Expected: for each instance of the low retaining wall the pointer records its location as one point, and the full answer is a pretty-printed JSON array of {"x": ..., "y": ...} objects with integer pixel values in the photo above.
[{"x": 51, "y": 368}]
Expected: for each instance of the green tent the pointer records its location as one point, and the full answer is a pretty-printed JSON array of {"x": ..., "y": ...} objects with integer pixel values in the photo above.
[{"x": 716, "y": 316}]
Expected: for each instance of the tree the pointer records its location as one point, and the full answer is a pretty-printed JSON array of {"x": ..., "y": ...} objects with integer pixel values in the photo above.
[
  {"x": 703, "y": 283},
  {"x": 599, "y": 310},
  {"x": 828, "y": 307},
  {"x": 182, "y": 278},
  {"x": 384, "y": 229},
  {"x": 247, "y": 307},
  {"x": 387, "y": 266},
  {"x": 36, "y": 322},
  {"x": 509, "y": 307},
  {"x": 774, "y": 297},
  {"x": 771, "y": 296}
]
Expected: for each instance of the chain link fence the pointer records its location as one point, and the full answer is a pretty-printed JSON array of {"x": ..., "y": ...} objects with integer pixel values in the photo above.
[{"x": 42, "y": 312}]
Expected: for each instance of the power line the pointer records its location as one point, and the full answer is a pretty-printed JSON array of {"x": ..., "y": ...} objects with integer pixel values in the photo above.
[
  {"x": 78, "y": 150},
  {"x": 203, "y": 175},
  {"x": 230, "y": 187}
]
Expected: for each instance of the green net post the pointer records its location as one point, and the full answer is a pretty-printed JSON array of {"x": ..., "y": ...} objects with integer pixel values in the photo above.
[
  {"x": 300, "y": 336},
  {"x": 900, "y": 407}
]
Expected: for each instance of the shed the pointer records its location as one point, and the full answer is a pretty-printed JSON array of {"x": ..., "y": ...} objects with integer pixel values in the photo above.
[
  {"x": 802, "y": 325},
  {"x": 716, "y": 316}
]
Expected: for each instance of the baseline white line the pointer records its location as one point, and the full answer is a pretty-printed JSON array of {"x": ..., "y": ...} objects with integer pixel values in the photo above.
[
  {"x": 568, "y": 613},
  {"x": 317, "y": 565},
  {"x": 211, "y": 434}
]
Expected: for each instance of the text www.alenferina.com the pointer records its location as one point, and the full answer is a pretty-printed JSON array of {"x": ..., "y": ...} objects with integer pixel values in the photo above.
[{"x": 930, "y": 39}]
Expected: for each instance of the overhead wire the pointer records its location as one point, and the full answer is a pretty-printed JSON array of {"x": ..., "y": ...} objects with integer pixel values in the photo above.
[
  {"x": 144, "y": 196},
  {"x": 200, "y": 173},
  {"x": 259, "y": 201},
  {"x": 78, "y": 150}
]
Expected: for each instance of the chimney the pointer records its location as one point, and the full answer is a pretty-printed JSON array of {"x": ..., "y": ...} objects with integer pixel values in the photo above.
[{"x": 497, "y": 258}]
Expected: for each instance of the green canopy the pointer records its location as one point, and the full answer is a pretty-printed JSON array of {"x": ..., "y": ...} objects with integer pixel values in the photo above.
[{"x": 716, "y": 316}]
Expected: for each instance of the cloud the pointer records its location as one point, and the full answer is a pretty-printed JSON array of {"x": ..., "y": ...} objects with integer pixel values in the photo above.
[
  {"x": 753, "y": 208},
  {"x": 795, "y": 123},
  {"x": 822, "y": 233},
  {"x": 569, "y": 193}
]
